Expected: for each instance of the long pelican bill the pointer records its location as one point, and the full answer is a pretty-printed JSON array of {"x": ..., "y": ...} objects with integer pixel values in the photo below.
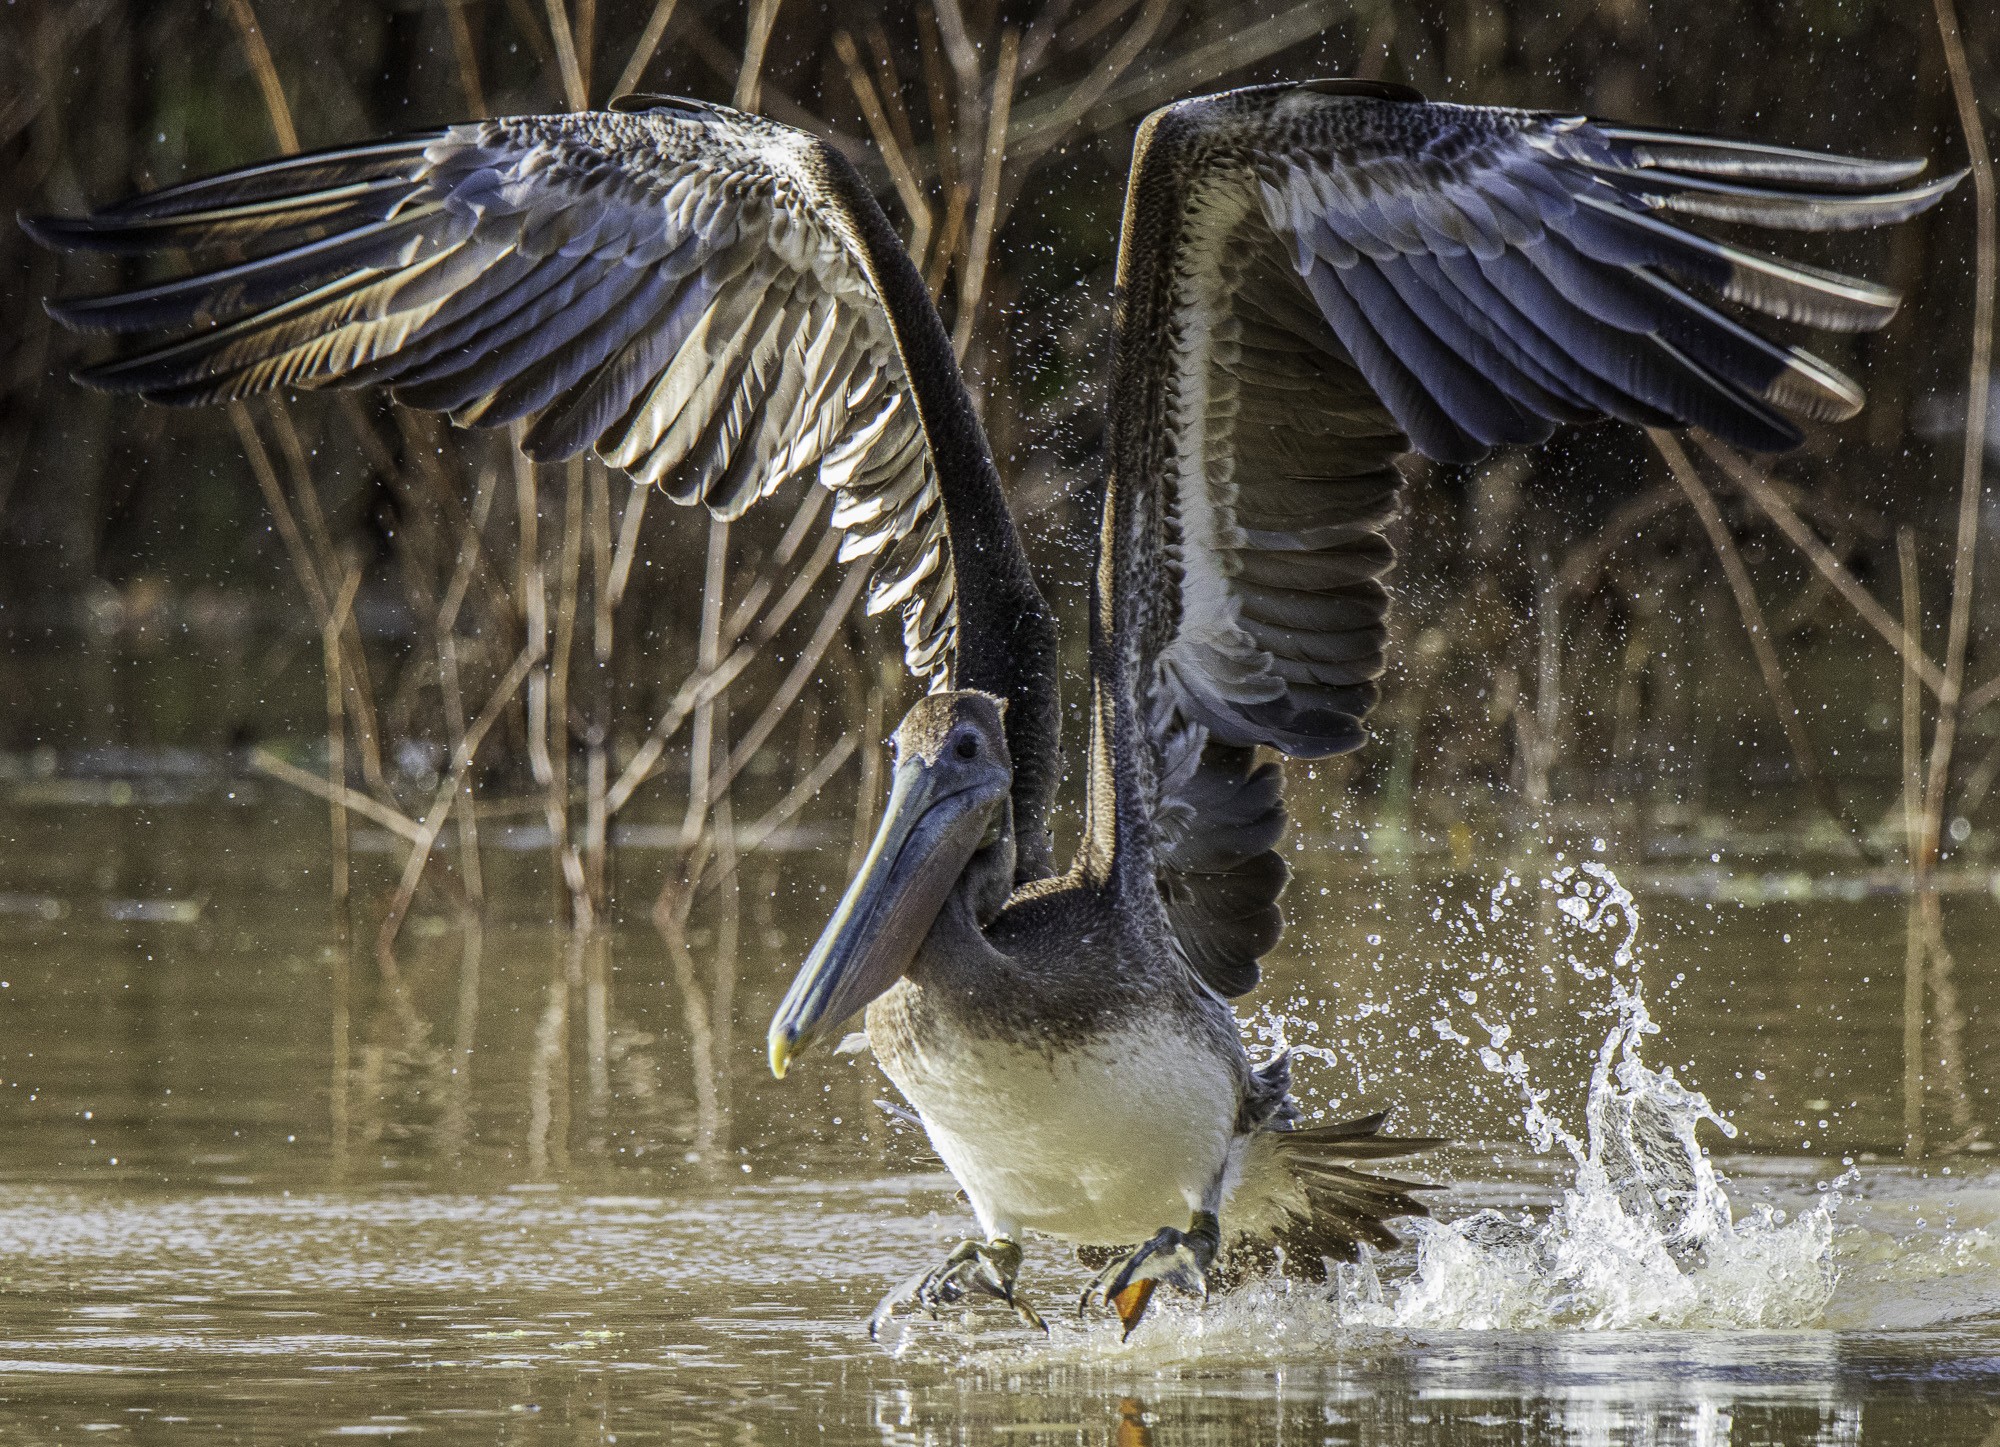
[{"x": 926, "y": 839}]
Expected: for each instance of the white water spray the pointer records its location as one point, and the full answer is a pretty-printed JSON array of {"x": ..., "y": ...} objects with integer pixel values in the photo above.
[{"x": 1643, "y": 1235}]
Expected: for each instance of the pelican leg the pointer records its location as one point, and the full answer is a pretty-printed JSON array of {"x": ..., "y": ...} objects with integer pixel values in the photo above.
[
  {"x": 974, "y": 1268},
  {"x": 1179, "y": 1258}
]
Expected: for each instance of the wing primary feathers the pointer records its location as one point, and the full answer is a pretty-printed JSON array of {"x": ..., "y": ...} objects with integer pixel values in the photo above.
[
  {"x": 1537, "y": 392},
  {"x": 214, "y": 365},
  {"x": 1619, "y": 236},
  {"x": 1473, "y": 400},
  {"x": 1635, "y": 300},
  {"x": 1523, "y": 329},
  {"x": 1778, "y": 209},
  {"x": 1790, "y": 377},
  {"x": 1430, "y": 428},
  {"x": 1752, "y": 161},
  {"x": 225, "y": 295},
  {"x": 267, "y": 203},
  {"x": 1642, "y": 371},
  {"x": 288, "y": 176},
  {"x": 552, "y": 316},
  {"x": 619, "y": 307}
]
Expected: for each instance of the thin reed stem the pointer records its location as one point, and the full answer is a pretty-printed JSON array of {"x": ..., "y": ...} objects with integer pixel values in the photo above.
[
  {"x": 909, "y": 190},
  {"x": 466, "y": 56},
  {"x": 1751, "y": 611},
  {"x": 757, "y": 36},
  {"x": 644, "y": 48},
  {"x": 972, "y": 280},
  {"x": 1913, "y": 809},
  {"x": 1979, "y": 385},
  {"x": 336, "y": 746},
  {"x": 576, "y": 91},
  {"x": 265, "y": 69},
  {"x": 1759, "y": 490}
]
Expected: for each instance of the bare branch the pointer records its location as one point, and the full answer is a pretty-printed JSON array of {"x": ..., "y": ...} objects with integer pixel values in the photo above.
[
  {"x": 643, "y": 51},
  {"x": 1081, "y": 98},
  {"x": 1979, "y": 384},
  {"x": 366, "y": 805},
  {"x": 788, "y": 692},
  {"x": 266, "y": 71},
  {"x": 756, "y": 835},
  {"x": 972, "y": 281},
  {"x": 1760, "y": 491},
  {"x": 463, "y": 53},
  {"x": 1233, "y": 48},
  {"x": 757, "y": 36},
  {"x": 908, "y": 189},
  {"x": 446, "y": 794},
  {"x": 889, "y": 82},
  {"x": 958, "y": 46},
  {"x": 1759, "y": 632},
  {"x": 575, "y": 91},
  {"x": 697, "y": 689}
]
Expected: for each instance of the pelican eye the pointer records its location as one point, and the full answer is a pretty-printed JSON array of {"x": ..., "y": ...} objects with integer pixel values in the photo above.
[{"x": 967, "y": 746}]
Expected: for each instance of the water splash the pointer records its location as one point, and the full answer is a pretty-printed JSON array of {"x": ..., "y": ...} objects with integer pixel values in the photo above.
[{"x": 1644, "y": 1234}]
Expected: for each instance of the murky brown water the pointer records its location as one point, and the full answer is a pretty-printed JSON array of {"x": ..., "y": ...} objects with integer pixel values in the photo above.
[{"x": 246, "y": 1194}]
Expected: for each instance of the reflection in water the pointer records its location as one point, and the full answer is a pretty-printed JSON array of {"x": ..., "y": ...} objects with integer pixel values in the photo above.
[{"x": 247, "y": 1181}]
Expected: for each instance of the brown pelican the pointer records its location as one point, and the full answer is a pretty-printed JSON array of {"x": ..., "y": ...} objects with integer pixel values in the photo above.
[{"x": 1313, "y": 279}]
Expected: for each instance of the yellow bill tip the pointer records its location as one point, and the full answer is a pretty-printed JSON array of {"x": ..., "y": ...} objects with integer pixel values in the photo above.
[{"x": 1130, "y": 1304}]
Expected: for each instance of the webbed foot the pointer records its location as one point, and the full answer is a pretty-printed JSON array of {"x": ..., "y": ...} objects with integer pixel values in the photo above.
[
  {"x": 974, "y": 1268},
  {"x": 1178, "y": 1258}
]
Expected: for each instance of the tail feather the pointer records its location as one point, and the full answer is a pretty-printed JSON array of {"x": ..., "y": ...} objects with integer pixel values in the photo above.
[
  {"x": 1298, "y": 1200},
  {"x": 1346, "y": 1208}
]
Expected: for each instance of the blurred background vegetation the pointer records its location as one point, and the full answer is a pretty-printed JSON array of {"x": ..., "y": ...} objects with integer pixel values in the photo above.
[{"x": 1729, "y": 669}]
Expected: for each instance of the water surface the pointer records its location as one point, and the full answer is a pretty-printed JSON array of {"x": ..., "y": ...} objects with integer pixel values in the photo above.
[{"x": 249, "y": 1193}]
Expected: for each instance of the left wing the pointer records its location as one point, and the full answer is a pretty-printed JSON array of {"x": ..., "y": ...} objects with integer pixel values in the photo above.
[
  {"x": 710, "y": 300},
  {"x": 1315, "y": 278}
]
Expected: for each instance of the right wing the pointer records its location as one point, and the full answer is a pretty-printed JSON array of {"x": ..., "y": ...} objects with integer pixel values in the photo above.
[{"x": 1316, "y": 278}]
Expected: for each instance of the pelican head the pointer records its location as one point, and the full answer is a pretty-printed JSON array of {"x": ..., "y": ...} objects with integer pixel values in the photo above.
[{"x": 945, "y": 848}]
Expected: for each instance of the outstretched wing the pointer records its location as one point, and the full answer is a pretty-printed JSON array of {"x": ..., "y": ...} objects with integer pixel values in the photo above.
[
  {"x": 1319, "y": 277},
  {"x": 682, "y": 289}
]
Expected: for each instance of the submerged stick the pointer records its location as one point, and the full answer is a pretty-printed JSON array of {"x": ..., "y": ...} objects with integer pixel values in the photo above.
[
  {"x": 596, "y": 819},
  {"x": 555, "y": 721}
]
